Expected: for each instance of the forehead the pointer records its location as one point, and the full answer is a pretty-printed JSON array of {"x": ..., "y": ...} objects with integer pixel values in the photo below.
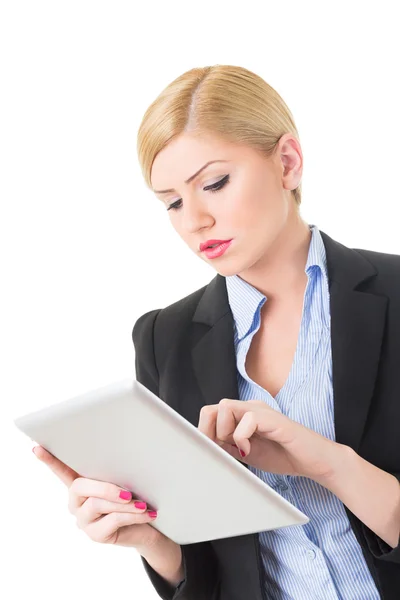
[{"x": 185, "y": 155}]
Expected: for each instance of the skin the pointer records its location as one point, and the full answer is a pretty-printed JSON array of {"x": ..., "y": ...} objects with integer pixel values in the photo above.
[
  {"x": 108, "y": 519},
  {"x": 89, "y": 499},
  {"x": 255, "y": 208},
  {"x": 269, "y": 251}
]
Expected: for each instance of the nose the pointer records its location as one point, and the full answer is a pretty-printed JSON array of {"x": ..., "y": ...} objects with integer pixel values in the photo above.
[{"x": 195, "y": 217}]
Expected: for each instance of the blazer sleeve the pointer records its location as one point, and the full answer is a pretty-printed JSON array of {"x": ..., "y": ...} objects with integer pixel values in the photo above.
[
  {"x": 379, "y": 548},
  {"x": 201, "y": 577}
]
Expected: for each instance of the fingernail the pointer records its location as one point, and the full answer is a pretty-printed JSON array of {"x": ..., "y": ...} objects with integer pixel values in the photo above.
[
  {"x": 125, "y": 495},
  {"x": 33, "y": 450},
  {"x": 152, "y": 514},
  {"x": 140, "y": 504},
  {"x": 242, "y": 453}
]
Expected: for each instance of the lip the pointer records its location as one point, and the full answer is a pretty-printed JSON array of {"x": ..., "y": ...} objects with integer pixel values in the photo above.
[
  {"x": 204, "y": 245},
  {"x": 218, "y": 251}
]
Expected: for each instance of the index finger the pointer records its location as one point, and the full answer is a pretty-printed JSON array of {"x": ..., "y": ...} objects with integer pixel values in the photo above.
[
  {"x": 63, "y": 471},
  {"x": 207, "y": 421},
  {"x": 210, "y": 417}
]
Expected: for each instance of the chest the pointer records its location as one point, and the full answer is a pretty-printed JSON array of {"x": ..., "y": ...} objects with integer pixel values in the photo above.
[{"x": 273, "y": 347}]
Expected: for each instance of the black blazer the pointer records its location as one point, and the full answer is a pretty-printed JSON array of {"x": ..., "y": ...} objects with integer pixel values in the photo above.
[{"x": 185, "y": 354}]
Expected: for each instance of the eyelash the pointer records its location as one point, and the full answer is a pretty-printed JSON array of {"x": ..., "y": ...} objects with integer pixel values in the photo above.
[{"x": 215, "y": 187}]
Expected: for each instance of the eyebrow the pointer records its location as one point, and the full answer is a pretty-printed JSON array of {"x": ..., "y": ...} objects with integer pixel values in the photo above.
[{"x": 191, "y": 177}]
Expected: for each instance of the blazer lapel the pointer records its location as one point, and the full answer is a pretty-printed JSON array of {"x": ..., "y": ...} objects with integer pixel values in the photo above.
[{"x": 357, "y": 327}]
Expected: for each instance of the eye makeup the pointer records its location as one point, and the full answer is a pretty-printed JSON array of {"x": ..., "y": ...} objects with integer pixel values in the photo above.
[{"x": 215, "y": 187}]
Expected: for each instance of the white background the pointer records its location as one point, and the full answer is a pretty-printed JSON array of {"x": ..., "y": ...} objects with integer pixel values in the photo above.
[{"x": 86, "y": 248}]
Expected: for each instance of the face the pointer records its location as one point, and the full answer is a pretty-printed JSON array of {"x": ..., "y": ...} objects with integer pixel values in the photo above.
[{"x": 246, "y": 198}]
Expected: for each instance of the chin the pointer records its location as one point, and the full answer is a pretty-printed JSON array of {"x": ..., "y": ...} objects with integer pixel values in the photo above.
[{"x": 230, "y": 270}]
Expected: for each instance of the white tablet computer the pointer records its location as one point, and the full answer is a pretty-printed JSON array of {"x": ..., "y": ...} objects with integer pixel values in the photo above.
[{"x": 123, "y": 434}]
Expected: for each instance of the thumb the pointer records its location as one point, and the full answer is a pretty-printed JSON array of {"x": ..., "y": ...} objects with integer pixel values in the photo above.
[{"x": 63, "y": 471}]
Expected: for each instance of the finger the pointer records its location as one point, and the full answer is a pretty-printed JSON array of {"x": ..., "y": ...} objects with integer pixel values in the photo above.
[
  {"x": 106, "y": 529},
  {"x": 227, "y": 420},
  {"x": 83, "y": 488},
  {"x": 207, "y": 420},
  {"x": 247, "y": 427},
  {"x": 93, "y": 508},
  {"x": 63, "y": 471}
]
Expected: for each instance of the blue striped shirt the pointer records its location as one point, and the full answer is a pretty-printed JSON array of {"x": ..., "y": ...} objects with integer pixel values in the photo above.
[{"x": 322, "y": 559}]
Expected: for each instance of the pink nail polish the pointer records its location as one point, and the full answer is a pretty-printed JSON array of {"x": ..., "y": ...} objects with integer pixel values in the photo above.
[
  {"x": 125, "y": 495},
  {"x": 140, "y": 504},
  {"x": 152, "y": 514}
]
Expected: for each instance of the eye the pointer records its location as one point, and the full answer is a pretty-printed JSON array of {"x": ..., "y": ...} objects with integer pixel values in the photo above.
[{"x": 215, "y": 187}]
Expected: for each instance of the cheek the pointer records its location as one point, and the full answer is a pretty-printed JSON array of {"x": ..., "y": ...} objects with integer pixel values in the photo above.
[
  {"x": 249, "y": 205},
  {"x": 258, "y": 211},
  {"x": 244, "y": 199},
  {"x": 179, "y": 230}
]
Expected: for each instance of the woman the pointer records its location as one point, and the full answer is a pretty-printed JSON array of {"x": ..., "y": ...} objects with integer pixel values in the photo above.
[{"x": 288, "y": 358}]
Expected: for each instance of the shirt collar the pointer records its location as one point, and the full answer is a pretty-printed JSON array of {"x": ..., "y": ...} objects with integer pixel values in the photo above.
[{"x": 245, "y": 300}]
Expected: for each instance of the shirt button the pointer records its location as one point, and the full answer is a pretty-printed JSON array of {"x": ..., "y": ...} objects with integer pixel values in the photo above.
[
  {"x": 311, "y": 554},
  {"x": 282, "y": 486}
]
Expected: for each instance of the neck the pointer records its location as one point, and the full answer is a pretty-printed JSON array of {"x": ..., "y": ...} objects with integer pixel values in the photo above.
[{"x": 280, "y": 275}]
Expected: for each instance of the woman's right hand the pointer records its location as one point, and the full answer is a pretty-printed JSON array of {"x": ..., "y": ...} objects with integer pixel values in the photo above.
[{"x": 101, "y": 513}]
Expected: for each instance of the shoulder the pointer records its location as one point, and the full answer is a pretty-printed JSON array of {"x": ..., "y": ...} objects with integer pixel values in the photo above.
[
  {"x": 169, "y": 320},
  {"x": 381, "y": 260},
  {"x": 387, "y": 267}
]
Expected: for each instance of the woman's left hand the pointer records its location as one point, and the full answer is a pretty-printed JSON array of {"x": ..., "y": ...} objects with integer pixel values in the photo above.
[{"x": 271, "y": 441}]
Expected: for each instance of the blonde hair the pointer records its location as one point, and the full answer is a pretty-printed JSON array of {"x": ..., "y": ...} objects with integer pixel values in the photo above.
[{"x": 225, "y": 100}]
